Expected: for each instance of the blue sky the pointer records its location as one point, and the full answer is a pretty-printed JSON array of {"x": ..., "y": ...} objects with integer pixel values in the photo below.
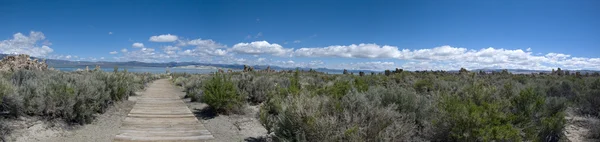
[{"x": 374, "y": 35}]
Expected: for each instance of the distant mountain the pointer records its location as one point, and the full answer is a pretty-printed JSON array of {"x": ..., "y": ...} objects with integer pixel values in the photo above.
[
  {"x": 525, "y": 71},
  {"x": 82, "y": 64}
]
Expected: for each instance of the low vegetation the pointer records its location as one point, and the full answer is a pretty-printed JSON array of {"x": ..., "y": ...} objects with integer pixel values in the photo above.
[
  {"x": 72, "y": 96},
  {"x": 401, "y": 105}
]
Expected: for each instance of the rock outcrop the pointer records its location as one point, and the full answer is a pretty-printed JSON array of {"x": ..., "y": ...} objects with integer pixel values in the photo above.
[{"x": 22, "y": 61}]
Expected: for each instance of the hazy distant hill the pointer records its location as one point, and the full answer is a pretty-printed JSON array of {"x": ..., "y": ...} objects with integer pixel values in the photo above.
[{"x": 82, "y": 64}]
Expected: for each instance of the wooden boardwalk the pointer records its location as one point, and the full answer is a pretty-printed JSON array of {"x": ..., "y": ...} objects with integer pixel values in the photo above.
[{"x": 160, "y": 115}]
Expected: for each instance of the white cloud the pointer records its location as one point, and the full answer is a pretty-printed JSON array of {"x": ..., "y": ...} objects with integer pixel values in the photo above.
[
  {"x": 113, "y": 52},
  {"x": 297, "y": 41},
  {"x": 205, "y": 48},
  {"x": 351, "y": 51},
  {"x": 123, "y": 50},
  {"x": 171, "y": 50},
  {"x": 378, "y": 65},
  {"x": 261, "y": 47},
  {"x": 22, "y": 44},
  {"x": 200, "y": 43},
  {"x": 452, "y": 58},
  {"x": 164, "y": 38},
  {"x": 110, "y": 33},
  {"x": 137, "y": 45},
  {"x": 146, "y": 55}
]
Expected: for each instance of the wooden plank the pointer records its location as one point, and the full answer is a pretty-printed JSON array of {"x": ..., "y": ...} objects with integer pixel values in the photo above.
[
  {"x": 121, "y": 138},
  {"x": 160, "y": 115}
]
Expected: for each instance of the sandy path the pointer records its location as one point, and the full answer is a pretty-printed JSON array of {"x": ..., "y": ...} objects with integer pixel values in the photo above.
[{"x": 102, "y": 129}]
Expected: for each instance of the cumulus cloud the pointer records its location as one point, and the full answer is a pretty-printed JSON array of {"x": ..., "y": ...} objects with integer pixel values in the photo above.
[
  {"x": 171, "y": 50},
  {"x": 351, "y": 51},
  {"x": 22, "y": 44},
  {"x": 146, "y": 55},
  {"x": 451, "y": 58},
  {"x": 261, "y": 47},
  {"x": 137, "y": 45},
  {"x": 200, "y": 43},
  {"x": 113, "y": 52},
  {"x": 376, "y": 65},
  {"x": 123, "y": 50},
  {"x": 204, "y": 48},
  {"x": 164, "y": 38},
  {"x": 437, "y": 58}
]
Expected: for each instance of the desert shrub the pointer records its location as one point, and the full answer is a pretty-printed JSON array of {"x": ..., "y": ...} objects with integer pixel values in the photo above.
[
  {"x": 6, "y": 88},
  {"x": 294, "y": 86},
  {"x": 413, "y": 106},
  {"x": 563, "y": 89},
  {"x": 423, "y": 85},
  {"x": 338, "y": 90},
  {"x": 180, "y": 81},
  {"x": 473, "y": 116},
  {"x": 193, "y": 87},
  {"x": 73, "y": 96},
  {"x": 258, "y": 88},
  {"x": 221, "y": 95},
  {"x": 589, "y": 103},
  {"x": 360, "y": 84},
  {"x": 305, "y": 118},
  {"x": 246, "y": 86}
]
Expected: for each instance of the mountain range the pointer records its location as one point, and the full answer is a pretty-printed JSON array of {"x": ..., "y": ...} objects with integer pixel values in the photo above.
[{"x": 82, "y": 64}]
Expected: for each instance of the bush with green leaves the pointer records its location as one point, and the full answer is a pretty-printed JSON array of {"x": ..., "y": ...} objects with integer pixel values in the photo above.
[
  {"x": 589, "y": 102},
  {"x": 305, "y": 118},
  {"x": 73, "y": 96},
  {"x": 414, "y": 106},
  {"x": 221, "y": 95},
  {"x": 256, "y": 88}
]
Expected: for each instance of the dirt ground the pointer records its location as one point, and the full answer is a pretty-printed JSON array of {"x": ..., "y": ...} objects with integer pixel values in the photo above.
[
  {"x": 578, "y": 127},
  {"x": 102, "y": 129},
  {"x": 229, "y": 128}
]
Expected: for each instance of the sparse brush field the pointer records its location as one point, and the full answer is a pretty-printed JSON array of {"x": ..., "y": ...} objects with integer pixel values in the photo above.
[
  {"x": 403, "y": 106},
  {"x": 74, "y": 97}
]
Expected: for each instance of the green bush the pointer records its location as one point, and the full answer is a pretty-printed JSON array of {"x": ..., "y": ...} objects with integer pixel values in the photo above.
[
  {"x": 221, "y": 95},
  {"x": 423, "y": 85},
  {"x": 410, "y": 106},
  {"x": 256, "y": 88},
  {"x": 473, "y": 116},
  {"x": 72, "y": 96},
  {"x": 6, "y": 89},
  {"x": 360, "y": 84},
  {"x": 589, "y": 103},
  {"x": 322, "y": 118}
]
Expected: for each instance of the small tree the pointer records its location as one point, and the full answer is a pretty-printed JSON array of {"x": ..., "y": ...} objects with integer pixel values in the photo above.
[
  {"x": 388, "y": 72},
  {"x": 345, "y": 71}
]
